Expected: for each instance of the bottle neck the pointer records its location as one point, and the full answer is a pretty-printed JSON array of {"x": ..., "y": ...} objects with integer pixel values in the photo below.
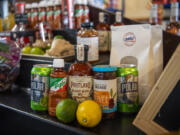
[
  {"x": 118, "y": 18},
  {"x": 81, "y": 54},
  {"x": 174, "y": 14},
  {"x": 101, "y": 19},
  {"x": 154, "y": 17}
]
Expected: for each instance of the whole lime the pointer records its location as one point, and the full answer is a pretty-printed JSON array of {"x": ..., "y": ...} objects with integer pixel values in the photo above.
[
  {"x": 26, "y": 50},
  {"x": 66, "y": 110},
  {"x": 37, "y": 51}
]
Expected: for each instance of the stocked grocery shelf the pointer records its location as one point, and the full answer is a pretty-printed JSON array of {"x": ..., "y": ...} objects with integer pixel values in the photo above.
[{"x": 17, "y": 116}]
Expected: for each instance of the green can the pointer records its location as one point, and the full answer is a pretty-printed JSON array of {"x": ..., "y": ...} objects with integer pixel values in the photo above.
[
  {"x": 128, "y": 97},
  {"x": 40, "y": 87}
]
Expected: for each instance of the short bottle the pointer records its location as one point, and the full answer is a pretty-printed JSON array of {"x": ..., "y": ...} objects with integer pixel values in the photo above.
[
  {"x": 89, "y": 37},
  {"x": 173, "y": 27},
  {"x": 118, "y": 19},
  {"x": 103, "y": 29},
  {"x": 80, "y": 75},
  {"x": 58, "y": 85}
]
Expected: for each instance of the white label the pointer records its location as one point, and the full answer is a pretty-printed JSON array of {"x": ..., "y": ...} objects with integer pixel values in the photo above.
[
  {"x": 80, "y": 53},
  {"x": 104, "y": 40},
  {"x": 78, "y": 40},
  {"x": 93, "y": 43},
  {"x": 80, "y": 87}
]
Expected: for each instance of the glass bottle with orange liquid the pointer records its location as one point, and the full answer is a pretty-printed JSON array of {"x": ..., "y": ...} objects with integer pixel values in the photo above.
[{"x": 58, "y": 86}]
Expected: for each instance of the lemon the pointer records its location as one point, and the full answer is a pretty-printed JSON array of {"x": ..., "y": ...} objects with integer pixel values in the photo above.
[
  {"x": 26, "y": 50},
  {"x": 37, "y": 51},
  {"x": 89, "y": 113}
]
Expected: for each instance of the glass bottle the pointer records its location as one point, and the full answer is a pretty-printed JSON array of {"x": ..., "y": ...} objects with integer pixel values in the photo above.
[
  {"x": 57, "y": 15},
  {"x": 65, "y": 19},
  {"x": 80, "y": 76},
  {"x": 118, "y": 19},
  {"x": 173, "y": 27},
  {"x": 103, "y": 33},
  {"x": 89, "y": 37},
  {"x": 154, "y": 15},
  {"x": 58, "y": 85},
  {"x": 85, "y": 12},
  {"x": 34, "y": 15},
  {"x": 78, "y": 13},
  {"x": 49, "y": 13},
  {"x": 28, "y": 12},
  {"x": 42, "y": 12}
]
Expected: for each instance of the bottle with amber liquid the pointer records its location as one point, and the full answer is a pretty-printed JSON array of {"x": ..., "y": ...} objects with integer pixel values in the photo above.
[
  {"x": 80, "y": 76},
  {"x": 173, "y": 27},
  {"x": 58, "y": 85},
  {"x": 154, "y": 15},
  {"x": 103, "y": 29},
  {"x": 118, "y": 19},
  {"x": 89, "y": 37},
  {"x": 34, "y": 15},
  {"x": 57, "y": 15}
]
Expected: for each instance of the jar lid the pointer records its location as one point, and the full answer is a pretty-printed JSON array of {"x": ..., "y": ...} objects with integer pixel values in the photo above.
[{"x": 104, "y": 68}]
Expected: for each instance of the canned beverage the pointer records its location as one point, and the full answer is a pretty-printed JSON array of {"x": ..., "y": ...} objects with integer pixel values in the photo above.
[
  {"x": 40, "y": 87},
  {"x": 128, "y": 97}
]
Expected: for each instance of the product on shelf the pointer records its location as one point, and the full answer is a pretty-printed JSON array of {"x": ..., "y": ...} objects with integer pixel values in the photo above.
[
  {"x": 34, "y": 15},
  {"x": 103, "y": 29},
  {"x": 89, "y": 37},
  {"x": 1, "y": 25},
  {"x": 80, "y": 76},
  {"x": 58, "y": 85},
  {"x": 57, "y": 15},
  {"x": 85, "y": 12},
  {"x": 20, "y": 7},
  {"x": 173, "y": 27},
  {"x": 42, "y": 12},
  {"x": 105, "y": 89},
  {"x": 28, "y": 12},
  {"x": 154, "y": 14},
  {"x": 78, "y": 13},
  {"x": 118, "y": 19},
  {"x": 49, "y": 13},
  {"x": 127, "y": 96},
  {"x": 40, "y": 87}
]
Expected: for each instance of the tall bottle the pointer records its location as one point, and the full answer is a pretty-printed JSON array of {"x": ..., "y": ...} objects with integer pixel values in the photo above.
[
  {"x": 154, "y": 15},
  {"x": 58, "y": 86},
  {"x": 78, "y": 13},
  {"x": 49, "y": 13},
  {"x": 173, "y": 27},
  {"x": 57, "y": 14},
  {"x": 103, "y": 29},
  {"x": 80, "y": 76},
  {"x": 89, "y": 37},
  {"x": 34, "y": 15},
  {"x": 118, "y": 19},
  {"x": 85, "y": 11},
  {"x": 42, "y": 12}
]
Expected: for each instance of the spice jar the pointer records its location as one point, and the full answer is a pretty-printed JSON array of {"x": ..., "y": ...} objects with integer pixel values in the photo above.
[
  {"x": 89, "y": 37},
  {"x": 105, "y": 89}
]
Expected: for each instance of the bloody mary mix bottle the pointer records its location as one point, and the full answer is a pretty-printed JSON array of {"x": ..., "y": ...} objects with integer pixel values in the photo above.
[
  {"x": 80, "y": 76},
  {"x": 58, "y": 87},
  {"x": 118, "y": 19}
]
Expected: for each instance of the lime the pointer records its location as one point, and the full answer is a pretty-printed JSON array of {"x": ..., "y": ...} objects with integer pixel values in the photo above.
[
  {"x": 89, "y": 113},
  {"x": 26, "y": 50},
  {"x": 58, "y": 37},
  {"x": 66, "y": 110},
  {"x": 37, "y": 51}
]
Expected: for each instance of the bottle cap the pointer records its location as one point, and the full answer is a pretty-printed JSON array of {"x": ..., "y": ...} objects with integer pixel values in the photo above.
[
  {"x": 85, "y": 2},
  {"x": 58, "y": 63},
  {"x": 79, "y": 2},
  {"x": 28, "y": 6},
  {"x": 58, "y": 2},
  {"x": 34, "y": 5},
  {"x": 50, "y": 4}
]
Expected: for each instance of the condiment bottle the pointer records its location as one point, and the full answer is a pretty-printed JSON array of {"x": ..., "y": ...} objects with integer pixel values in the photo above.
[
  {"x": 174, "y": 27},
  {"x": 28, "y": 12},
  {"x": 78, "y": 13},
  {"x": 42, "y": 12},
  {"x": 58, "y": 86},
  {"x": 118, "y": 19},
  {"x": 85, "y": 11},
  {"x": 105, "y": 89},
  {"x": 154, "y": 14},
  {"x": 65, "y": 19},
  {"x": 49, "y": 13},
  {"x": 34, "y": 15},
  {"x": 80, "y": 76},
  {"x": 57, "y": 14},
  {"x": 79, "y": 35},
  {"x": 89, "y": 37},
  {"x": 103, "y": 33}
]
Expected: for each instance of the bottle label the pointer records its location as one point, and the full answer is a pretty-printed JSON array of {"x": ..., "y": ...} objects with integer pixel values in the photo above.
[
  {"x": 80, "y": 53},
  {"x": 118, "y": 18},
  {"x": 78, "y": 40},
  {"x": 80, "y": 87},
  {"x": 93, "y": 43},
  {"x": 104, "y": 40},
  {"x": 57, "y": 14},
  {"x": 58, "y": 84},
  {"x": 34, "y": 15},
  {"x": 86, "y": 12},
  {"x": 49, "y": 15},
  {"x": 105, "y": 94},
  {"x": 78, "y": 12},
  {"x": 42, "y": 15}
]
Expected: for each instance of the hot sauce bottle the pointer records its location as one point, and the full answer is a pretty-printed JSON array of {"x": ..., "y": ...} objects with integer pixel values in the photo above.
[
  {"x": 85, "y": 11},
  {"x": 34, "y": 15},
  {"x": 42, "y": 12},
  {"x": 28, "y": 12},
  {"x": 58, "y": 86},
  {"x": 57, "y": 15},
  {"x": 49, "y": 13},
  {"x": 103, "y": 33},
  {"x": 78, "y": 13},
  {"x": 118, "y": 19},
  {"x": 80, "y": 74},
  {"x": 174, "y": 27}
]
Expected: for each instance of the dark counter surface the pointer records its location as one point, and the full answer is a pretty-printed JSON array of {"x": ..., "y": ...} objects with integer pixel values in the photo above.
[{"x": 17, "y": 106}]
